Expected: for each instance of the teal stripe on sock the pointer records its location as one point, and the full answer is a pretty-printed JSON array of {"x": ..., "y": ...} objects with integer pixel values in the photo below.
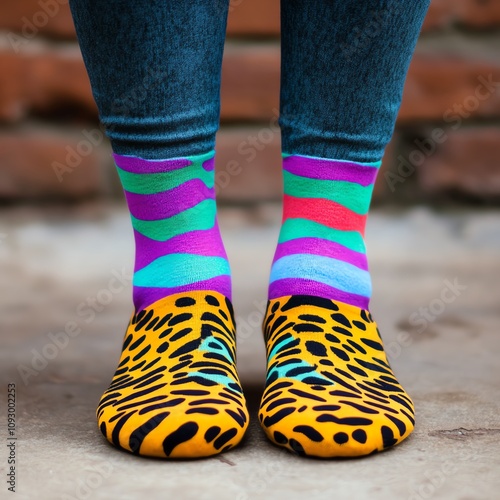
[
  {"x": 180, "y": 269},
  {"x": 304, "y": 228},
  {"x": 349, "y": 194},
  {"x": 280, "y": 346},
  {"x": 215, "y": 346},
  {"x": 201, "y": 158},
  {"x": 199, "y": 217},
  {"x": 281, "y": 372},
  {"x": 156, "y": 183}
]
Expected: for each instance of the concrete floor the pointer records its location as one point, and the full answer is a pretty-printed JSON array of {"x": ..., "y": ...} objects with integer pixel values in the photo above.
[{"x": 445, "y": 353}]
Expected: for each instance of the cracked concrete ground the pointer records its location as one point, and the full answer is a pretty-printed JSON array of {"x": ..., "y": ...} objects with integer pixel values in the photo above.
[{"x": 436, "y": 299}]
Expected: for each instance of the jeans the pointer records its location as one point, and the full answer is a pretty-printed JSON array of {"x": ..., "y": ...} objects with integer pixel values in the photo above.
[{"x": 155, "y": 70}]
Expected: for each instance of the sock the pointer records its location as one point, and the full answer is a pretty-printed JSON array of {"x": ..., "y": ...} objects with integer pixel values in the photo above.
[
  {"x": 176, "y": 392},
  {"x": 330, "y": 391},
  {"x": 173, "y": 211}
]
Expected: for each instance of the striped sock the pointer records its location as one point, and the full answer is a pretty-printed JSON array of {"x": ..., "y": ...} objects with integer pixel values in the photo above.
[
  {"x": 330, "y": 391},
  {"x": 173, "y": 211},
  {"x": 321, "y": 250},
  {"x": 176, "y": 391}
]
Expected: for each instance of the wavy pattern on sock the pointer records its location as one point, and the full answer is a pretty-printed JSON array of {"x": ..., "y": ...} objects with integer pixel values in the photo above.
[
  {"x": 321, "y": 250},
  {"x": 173, "y": 211}
]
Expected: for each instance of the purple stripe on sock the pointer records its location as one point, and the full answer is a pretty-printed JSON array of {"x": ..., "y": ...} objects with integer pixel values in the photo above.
[
  {"x": 319, "y": 168},
  {"x": 204, "y": 242},
  {"x": 144, "y": 297},
  {"x": 209, "y": 164},
  {"x": 162, "y": 205},
  {"x": 325, "y": 248},
  {"x": 141, "y": 166},
  {"x": 292, "y": 286}
]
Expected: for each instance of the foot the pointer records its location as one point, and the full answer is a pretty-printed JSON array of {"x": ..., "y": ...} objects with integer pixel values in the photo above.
[
  {"x": 330, "y": 391},
  {"x": 176, "y": 392}
]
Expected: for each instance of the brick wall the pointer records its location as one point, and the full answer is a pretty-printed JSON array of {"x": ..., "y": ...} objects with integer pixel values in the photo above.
[{"x": 447, "y": 138}]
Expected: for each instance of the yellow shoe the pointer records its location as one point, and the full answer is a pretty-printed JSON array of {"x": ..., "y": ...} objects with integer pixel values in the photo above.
[{"x": 176, "y": 392}]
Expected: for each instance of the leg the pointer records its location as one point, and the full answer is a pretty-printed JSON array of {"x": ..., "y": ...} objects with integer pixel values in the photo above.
[
  {"x": 155, "y": 69},
  {"x": 330, "y": 390}
]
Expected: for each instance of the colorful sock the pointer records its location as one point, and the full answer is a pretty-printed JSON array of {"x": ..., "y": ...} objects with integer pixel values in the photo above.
[
  {"x": 173, "y": 210},
  {"x": 330, "y": 390},
  {"x": 176, "y": 392}
]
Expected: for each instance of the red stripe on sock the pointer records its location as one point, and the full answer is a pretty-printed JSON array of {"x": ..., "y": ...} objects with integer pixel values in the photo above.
[{"x": 326, "y": 212}]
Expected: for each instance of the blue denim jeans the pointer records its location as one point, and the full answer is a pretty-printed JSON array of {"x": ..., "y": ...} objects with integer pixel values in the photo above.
[{"x": 155, "y": 67}]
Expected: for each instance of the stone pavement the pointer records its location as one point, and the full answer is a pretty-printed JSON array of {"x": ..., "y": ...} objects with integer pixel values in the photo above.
[{"x": 436, "y": 299}]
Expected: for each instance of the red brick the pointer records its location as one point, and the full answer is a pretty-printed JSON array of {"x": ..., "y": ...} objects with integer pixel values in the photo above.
[
  {"x": 250, "y": 81},
  {"x": 468, "y": 13},
  {"x": 248, "y": 164},
  {"x": 254, "y": 18},
  {"x": 44, "y": 82},
  {"x": 13, "y": 104},
  {"x": 436, "y": 84},
  {"x": 30, "y": 158},
  {"x": 29, "y": 18},
  {"x": 467, "y": 162}
]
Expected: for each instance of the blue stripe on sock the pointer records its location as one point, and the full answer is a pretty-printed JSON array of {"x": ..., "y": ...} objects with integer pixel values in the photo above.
[{"x": 332, "y": 272}]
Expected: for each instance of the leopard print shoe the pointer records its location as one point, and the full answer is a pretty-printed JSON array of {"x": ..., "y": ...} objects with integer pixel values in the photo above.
[
  {"x": 330, "y": 391},
  {"x": 176, "y": 392}
]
